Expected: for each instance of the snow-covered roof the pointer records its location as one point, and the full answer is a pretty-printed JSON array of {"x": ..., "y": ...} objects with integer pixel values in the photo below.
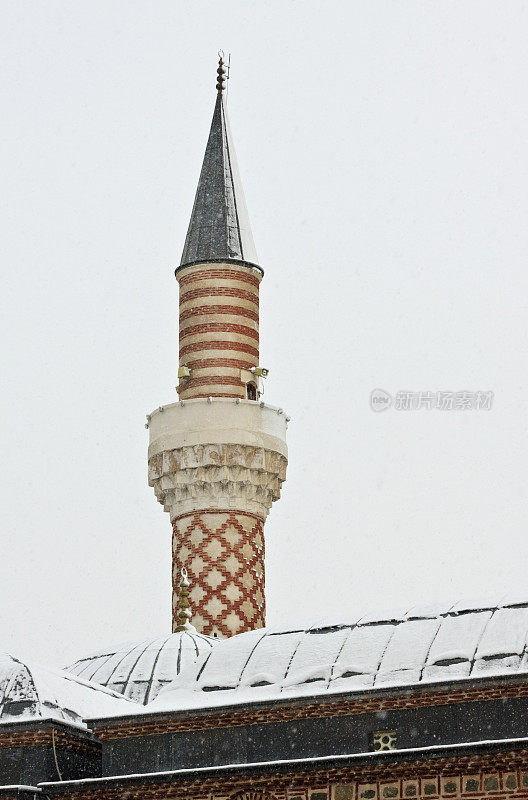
[
  {"x": 407, "y": 647},
  {"x": 139, "y": 670},
  {"x": 37, "y": 692}
]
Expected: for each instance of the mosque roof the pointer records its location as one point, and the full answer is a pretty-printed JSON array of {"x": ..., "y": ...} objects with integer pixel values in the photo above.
[
  {"x": 219, "y": 228},
  {"x": 38, "y": 692},
  {"x": 139, "y": 670},
  {"x": 412, "y": 646}
]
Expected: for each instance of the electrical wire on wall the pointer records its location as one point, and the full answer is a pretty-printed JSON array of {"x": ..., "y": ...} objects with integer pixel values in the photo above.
[{"x": 55, "y": 753}]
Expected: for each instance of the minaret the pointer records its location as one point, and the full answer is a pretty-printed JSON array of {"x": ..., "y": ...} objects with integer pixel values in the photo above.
[{"x": 217, "y": 458}]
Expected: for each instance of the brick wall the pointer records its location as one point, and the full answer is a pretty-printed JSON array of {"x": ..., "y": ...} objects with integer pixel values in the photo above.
[
  {"x": 318, "y": 708},
  {"x": 219, "y": 313},
  {"x": 461, "y": 776},
  {"x": 223, "y": 552},
  {"x": 42, "y": 736}
]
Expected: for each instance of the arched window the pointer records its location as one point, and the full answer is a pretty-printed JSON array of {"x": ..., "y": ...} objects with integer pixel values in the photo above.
[{"x": 251, "y": 391}]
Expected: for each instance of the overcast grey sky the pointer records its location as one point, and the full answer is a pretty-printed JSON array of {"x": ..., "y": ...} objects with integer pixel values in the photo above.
[{"x": 382, "y": 148}]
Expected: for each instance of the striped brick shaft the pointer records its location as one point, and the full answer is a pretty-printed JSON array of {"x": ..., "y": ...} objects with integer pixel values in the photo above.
[
  {"x": 219, "y": 337},
  {"x": 223, "y": 552}
]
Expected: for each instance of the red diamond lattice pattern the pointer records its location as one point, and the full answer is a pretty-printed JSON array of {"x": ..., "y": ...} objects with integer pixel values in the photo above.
[{"x": 223, "y": 552}]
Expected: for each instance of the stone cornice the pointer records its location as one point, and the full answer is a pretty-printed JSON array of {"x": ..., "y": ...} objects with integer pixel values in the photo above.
[{"x": 217, "y": 476}]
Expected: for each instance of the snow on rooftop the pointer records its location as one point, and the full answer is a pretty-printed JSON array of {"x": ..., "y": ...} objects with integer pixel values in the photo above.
[
  {"x": 138, "y": 670},
  {"x": 37, "y": 692},
  {"x": 417, "y": 645}
]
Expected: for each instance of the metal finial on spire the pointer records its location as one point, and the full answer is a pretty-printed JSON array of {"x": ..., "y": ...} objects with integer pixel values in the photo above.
[
  {"x": 184, "y": 613},
  {"x": 222, "y": 73}
]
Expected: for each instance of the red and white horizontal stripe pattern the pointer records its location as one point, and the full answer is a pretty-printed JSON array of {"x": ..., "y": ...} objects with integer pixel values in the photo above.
[{"x": 219, "y": 308}]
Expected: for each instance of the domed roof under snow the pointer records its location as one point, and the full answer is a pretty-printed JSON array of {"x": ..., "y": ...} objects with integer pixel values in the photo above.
[
  {"x": 411, "y": 646},
  {"x": 139, "y": 670},
  {"x": 42, "y": 693}
]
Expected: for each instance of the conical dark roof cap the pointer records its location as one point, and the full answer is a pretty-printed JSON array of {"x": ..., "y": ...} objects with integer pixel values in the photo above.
[{"x": 219, "y": 229}]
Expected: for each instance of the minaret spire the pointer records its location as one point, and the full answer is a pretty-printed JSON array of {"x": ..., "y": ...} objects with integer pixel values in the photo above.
[
  {"x": 217, "y": 458},
  {"x": 219, "y": 228}
]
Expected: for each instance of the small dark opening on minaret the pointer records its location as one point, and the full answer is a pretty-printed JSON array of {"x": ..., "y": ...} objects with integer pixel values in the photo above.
[{"x": 251, "y": 391}]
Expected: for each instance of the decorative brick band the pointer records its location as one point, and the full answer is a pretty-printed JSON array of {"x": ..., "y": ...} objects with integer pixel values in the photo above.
[
  {"x": 215, "y": 511},
  {"x": 212, "y": 381},
  {"x": 208, "y": 387},
  {"x": 212, "y": 387},
  {"x": 320, "y": 708},
  {"x": 219, "y": 327},
  {"x": 473, "y": 774},
  {"x": 223, "y": 552},
  {"x": 220, "y": 274},
  {"x": 197, "y": 347},
  {"x": 209, "y": 363},
  {"x": 32, "y": 738},
  {"x": 44, "y": 737},
  {"x": 233, "y": 311},
  {"x": 220, "y": 291}
]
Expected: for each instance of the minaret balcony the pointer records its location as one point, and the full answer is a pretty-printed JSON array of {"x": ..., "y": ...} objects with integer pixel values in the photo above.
[{"x": 217, "y": 453}]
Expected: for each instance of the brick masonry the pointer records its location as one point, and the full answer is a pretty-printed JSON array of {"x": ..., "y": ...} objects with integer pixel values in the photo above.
[
  {"x": 213, "y": 309},
  {"x": 39, "y": 750},
  {"x": 223, "y": 552},
  {"x": 44, "y": 736},
  {"x": 219, "y": 493},
  {"x": 217, "y": 344},
  {"x": 243, "y": 276},
  {"x": 472, "y": 775},
  {"x": 218, "y": 328},
  {"x": 319, "y": 708}
]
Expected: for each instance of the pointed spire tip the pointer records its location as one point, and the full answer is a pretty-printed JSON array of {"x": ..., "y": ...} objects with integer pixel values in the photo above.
[
  {"x": 221, "y": 73},
  {"x": 219, "y": 228}
]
